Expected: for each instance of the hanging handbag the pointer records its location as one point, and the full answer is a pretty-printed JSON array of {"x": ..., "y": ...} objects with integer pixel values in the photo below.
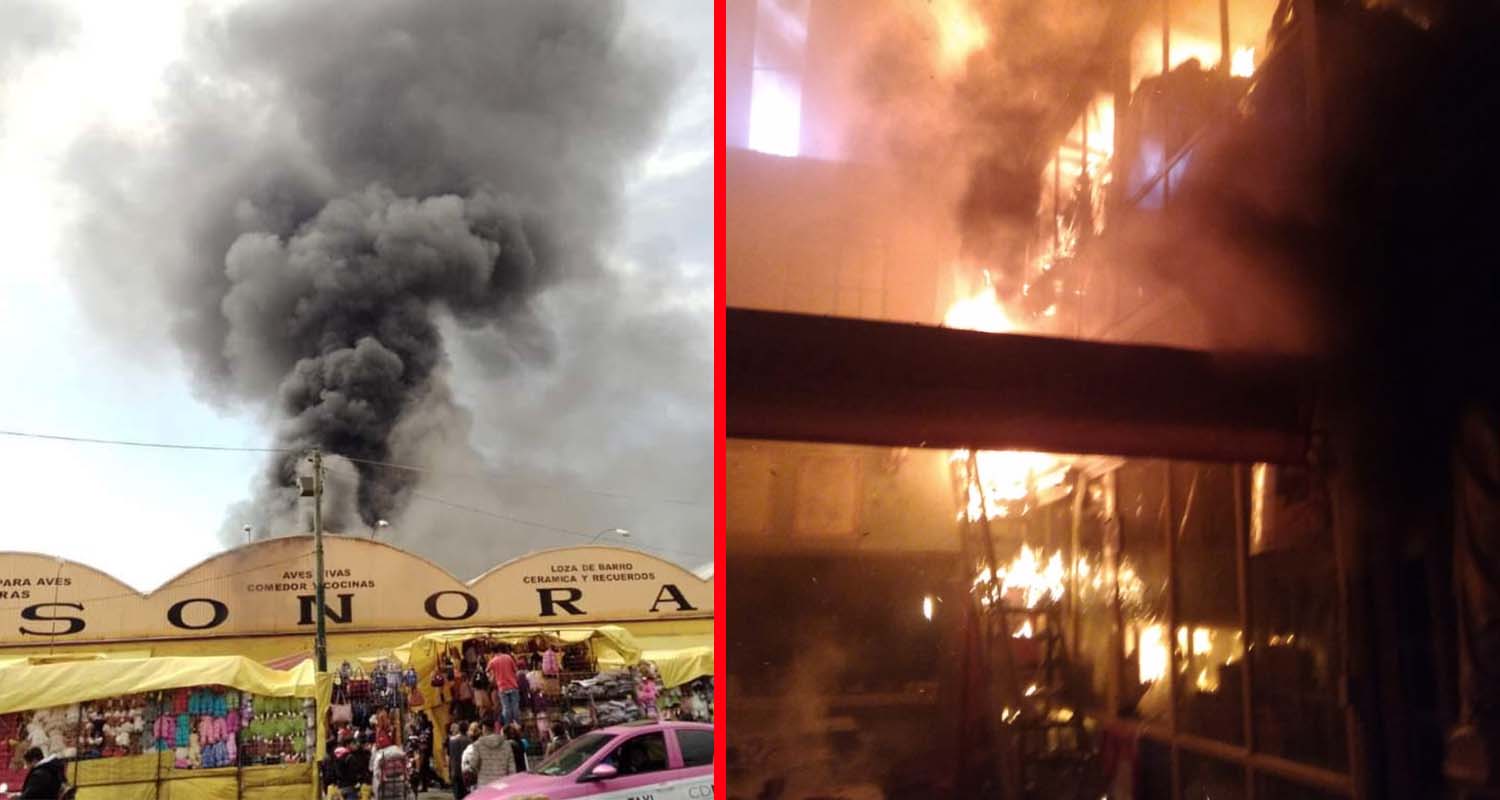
[
  {"x": 359, "y": 686},
  {"x": 414, "y": 700},
  {"x": 338, "y": 704}
]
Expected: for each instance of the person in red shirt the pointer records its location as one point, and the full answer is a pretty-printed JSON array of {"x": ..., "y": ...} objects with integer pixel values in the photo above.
[{"x": 502, "y": 669}]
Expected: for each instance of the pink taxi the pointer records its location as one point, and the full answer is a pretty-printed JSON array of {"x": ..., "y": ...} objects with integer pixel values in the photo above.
[{"x": 645, "y": 760}]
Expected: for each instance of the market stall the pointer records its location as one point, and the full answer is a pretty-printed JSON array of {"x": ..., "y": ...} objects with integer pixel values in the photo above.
[
  {"x": 389, "y": 615},
  {"x": 150, "y": 728},
  {"x": 675, "y": 672},
  {"x": 582, "y": 678}
]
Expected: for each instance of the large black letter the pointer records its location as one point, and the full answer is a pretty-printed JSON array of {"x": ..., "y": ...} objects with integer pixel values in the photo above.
[
  {"x": 343, "y": 615},
  {"x": 33, "y": 613},
  {"x": 675, "y": 595},
  {"x": 550, "y": 604},
  {"x": 471, "y": 605},
  {"x": 221, "y": 613}
]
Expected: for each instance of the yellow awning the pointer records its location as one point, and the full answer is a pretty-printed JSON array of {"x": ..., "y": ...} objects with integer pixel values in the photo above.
[
  {"x": 678, "y": 659},
  {"x": 422, "y": 653},
  {"x": 25, "y": 685}
]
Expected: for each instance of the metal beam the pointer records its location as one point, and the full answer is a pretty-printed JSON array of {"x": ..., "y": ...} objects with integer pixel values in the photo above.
[{"x": 823, "y": 379}]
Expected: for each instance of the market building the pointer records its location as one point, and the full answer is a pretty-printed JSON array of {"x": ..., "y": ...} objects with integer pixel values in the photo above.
[
  {"x": 120, "y": 682},
  {"x": 1131, "y": 559}
]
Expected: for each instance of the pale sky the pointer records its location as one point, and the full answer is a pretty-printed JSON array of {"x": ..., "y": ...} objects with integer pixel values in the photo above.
[{"x": 146, "y": 514}]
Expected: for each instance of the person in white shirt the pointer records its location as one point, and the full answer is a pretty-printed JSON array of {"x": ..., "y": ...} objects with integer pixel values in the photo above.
[
  {"x": 385, "y": 750},
  {"x": 489, "y": 759}
]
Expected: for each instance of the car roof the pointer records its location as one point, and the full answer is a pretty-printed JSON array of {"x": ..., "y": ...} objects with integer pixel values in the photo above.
[{"x": 631, "y": 727}]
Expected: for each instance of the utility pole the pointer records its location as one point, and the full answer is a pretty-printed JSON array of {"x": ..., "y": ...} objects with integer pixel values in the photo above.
[{"x": 320, "y": 643}]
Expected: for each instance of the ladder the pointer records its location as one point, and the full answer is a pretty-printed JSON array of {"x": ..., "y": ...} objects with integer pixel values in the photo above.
[{"x": 1042, "y": 732}]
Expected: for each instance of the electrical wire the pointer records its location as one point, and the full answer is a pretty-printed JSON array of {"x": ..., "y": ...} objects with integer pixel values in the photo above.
[
  {"x": 158, "y": 445},
  {"x": 411, "y": 468},
  {"x": 413, "y": 492},
  {"x": 490, "y": 478},
  {"x": 517, "y": 520}
]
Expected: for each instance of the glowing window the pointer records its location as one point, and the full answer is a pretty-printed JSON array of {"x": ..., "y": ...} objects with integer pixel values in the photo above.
[{"x": 775, "y": 112}]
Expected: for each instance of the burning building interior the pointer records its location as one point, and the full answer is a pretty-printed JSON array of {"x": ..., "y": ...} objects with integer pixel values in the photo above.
[{"x": 1107, "y": 399}]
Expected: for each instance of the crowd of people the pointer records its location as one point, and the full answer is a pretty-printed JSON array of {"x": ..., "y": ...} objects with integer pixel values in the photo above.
[
  {"x": 478, "y": 754},
  {"x": 478, "y": 751},
  {"x": 374, "y": 758}
]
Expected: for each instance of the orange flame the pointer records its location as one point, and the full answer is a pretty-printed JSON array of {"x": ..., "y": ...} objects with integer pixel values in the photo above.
[
  {"x": 982, "y": 312},
  {"x": 1209, "y": 51},
  {"x": 1242, "y": 63},
  {"x": 960, "y": 33}
]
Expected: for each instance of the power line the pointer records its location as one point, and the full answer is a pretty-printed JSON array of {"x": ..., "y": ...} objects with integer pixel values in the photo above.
[
  {"x": 373, "y": 462},
  {"x": 157, "y": 445},
  {"x": 491, "y": 478},
  {"x": 517, "y": 520}
]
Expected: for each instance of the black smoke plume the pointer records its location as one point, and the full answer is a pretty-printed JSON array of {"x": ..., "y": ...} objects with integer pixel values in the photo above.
[
  {"x": 335, "y": 183},
  {"x": 972, "y": 135}
]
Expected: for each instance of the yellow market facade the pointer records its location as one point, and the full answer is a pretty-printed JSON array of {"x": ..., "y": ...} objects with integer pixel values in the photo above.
[
  {"x": 257, "y": 600},
  {"x": 245, "y": 618}
]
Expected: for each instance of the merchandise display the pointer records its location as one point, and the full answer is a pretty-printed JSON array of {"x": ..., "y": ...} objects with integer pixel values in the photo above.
[
  {"x": 212, "y": 727},
  {"x": 556, "y": 681},
  {"x": 377, "y": 701},
  {"x": 690, "y": 702},
  {"x": 201, "y": 728},
  {"x": 13, "y": 745},
  {"x": 278, "y": 730},
  {"x": 113, "y": 727},
  {"x": 157, "y": 727},
  {"x": 577, "y": 679}
]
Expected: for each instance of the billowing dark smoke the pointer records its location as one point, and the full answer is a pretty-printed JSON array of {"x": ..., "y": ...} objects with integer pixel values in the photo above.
[
  {"x": 982, "y": 120},
  {"x": 344, "y": 312},
  {"x": 337, "y": 182}
]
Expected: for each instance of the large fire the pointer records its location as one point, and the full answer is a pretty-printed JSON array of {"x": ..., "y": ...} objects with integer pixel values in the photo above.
[
  {"x": 1082, "y": 163},
  {"x": 960, "y": 33},
  {"x": 1208, "y": 51},
  {"x": 1007, "y": 481},
  {"x": 1030, "y": 579},
  {"x": 1201, "y": 651},
  {"x": 981, "y": 312}
]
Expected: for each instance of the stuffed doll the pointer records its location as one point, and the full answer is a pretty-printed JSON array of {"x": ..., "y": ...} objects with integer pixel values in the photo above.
[{"x": 646, "y": 694}]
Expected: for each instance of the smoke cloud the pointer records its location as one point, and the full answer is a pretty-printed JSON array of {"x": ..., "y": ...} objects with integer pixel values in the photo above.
[
  {"x": 964, "y": 95},
  {"x": 343, "y": 198},
  {"x": 31, "y": 26}
]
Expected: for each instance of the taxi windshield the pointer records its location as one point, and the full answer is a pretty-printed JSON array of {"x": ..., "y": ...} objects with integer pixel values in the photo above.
[{"x": 573, "y": 754}]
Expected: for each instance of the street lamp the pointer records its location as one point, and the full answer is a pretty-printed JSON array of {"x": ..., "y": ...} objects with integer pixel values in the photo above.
[
  {"x": 380, "y": 525},
  {"x": 621, "y": 532}
]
